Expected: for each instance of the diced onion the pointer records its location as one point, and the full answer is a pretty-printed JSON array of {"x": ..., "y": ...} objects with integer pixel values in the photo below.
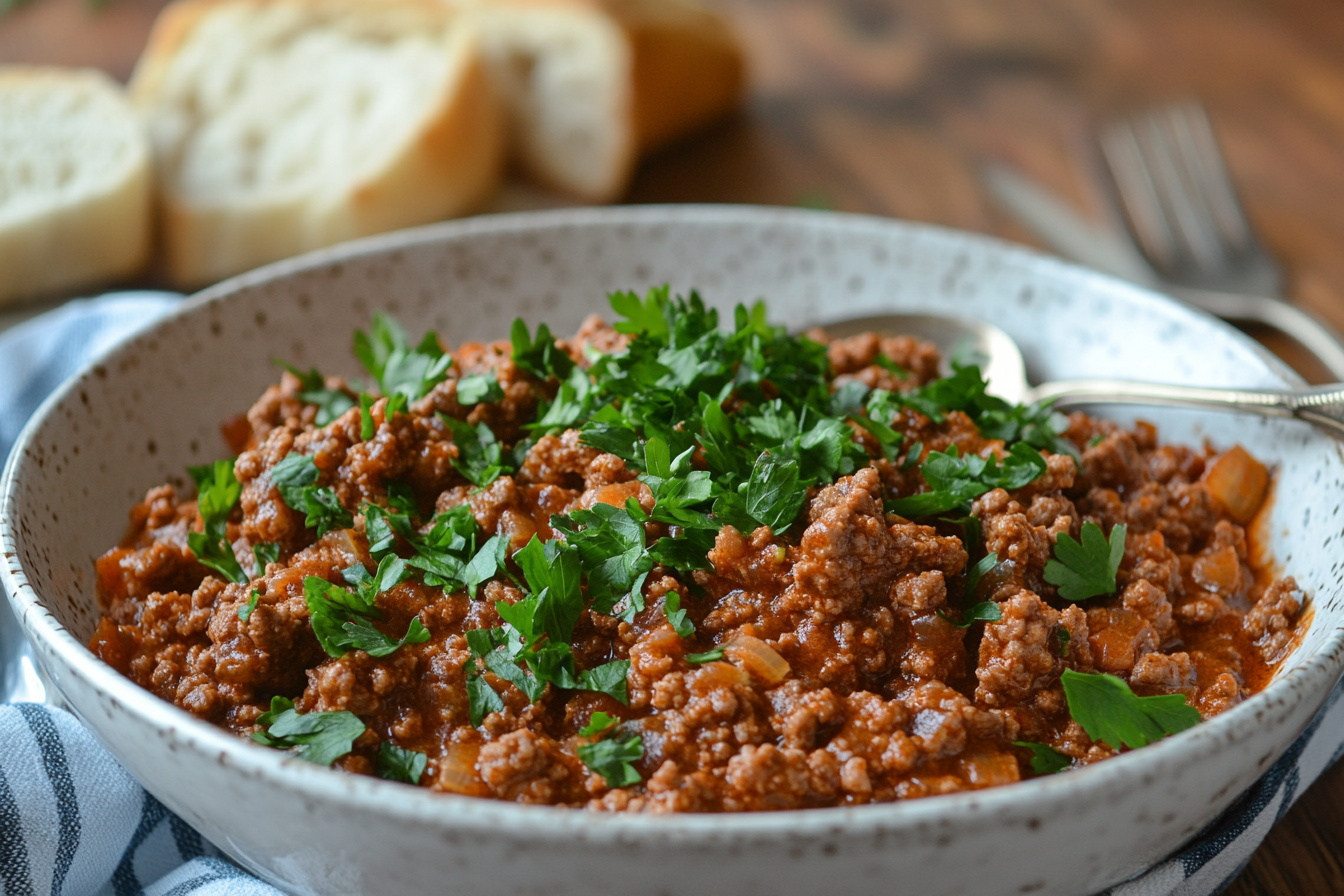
[
  {"x": 457, "y": 770},
  {"x": 1238, "y": 481},
  {"x": 713, "y": 675},
  {"x": 758, "y": 658}
]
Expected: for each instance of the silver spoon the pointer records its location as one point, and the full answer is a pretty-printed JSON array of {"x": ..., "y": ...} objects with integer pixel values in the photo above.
[{"x": 1001, "y": 363}]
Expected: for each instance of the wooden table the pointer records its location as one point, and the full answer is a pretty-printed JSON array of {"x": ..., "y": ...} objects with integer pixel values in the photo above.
[{"x": 884, "y": 106}]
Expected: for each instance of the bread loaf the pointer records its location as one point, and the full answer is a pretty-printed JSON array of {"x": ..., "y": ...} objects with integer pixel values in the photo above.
[
  {"x": 74, "y": 182},
  {"x": 281, "y": 126},
  {"x": 591, "y": 85}
]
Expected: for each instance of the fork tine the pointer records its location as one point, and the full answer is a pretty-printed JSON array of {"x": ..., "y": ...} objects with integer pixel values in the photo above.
[
  {"x": 1189, "y": 218},
  {"x": 1138, "y": 194},
  {"x": 1204, "y": 160}
]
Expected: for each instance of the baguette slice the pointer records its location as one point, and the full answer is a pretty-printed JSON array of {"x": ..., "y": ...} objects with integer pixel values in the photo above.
[
  {"x": 280, "y": 126},
  {"x": 74, "y": 182},
  {"x": 591, "y": 85}
]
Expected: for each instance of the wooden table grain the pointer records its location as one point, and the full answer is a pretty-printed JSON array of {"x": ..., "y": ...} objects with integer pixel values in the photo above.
[{"x": 887, "y": 106}]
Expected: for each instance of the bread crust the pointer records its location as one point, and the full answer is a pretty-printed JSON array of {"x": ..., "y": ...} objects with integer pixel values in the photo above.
[
  {"x": 101, "y": 234},
  {"x": 679, "y": 68},
  {"x": 448, "y": 166}
]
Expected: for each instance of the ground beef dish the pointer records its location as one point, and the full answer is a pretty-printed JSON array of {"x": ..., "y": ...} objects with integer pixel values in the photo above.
[{"x": 832, "y": 660}]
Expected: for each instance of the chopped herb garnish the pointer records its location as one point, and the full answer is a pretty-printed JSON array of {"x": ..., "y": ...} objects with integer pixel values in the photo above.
[
  {"x": 478, "y": 388},
  {"x": 598, "y": 722},
  {"x": 331, "y": 403},
  {"x": 397, "y": 764},
  {"x": 1045, "y": 760},
  {"x": 954, "y": 480},
  {"x": 612, "y": 759},
  {"x": 263, "y": 553},
  {"x": 1064, "y": 637},
  {"x": 676, "y": 616},
  {"x": 709, "y": 656},
  {"x": 245, "y": 611},
  {"x": 294, "y": 478},
  {"x": 317, "y": 737},
  {"x": 985, "y": 611},
  {"x": 1109, "y": 711},
  {"x": 218, "y": 492},
  {"x": 608, "y": 678},
  {"x": 479, "y": 458},
  {"x": 540, "y": 357},
  {"x": 395, "y": 365},
  {"x": 341, "y": 619},
  {"x": 1086, "y": 569}
]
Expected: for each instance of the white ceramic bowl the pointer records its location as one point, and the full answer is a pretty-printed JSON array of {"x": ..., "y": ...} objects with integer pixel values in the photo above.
[{"x": 153, "y": 405}]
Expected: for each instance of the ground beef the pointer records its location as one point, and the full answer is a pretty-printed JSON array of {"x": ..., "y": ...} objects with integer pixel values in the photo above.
[{"x": 830, "y": 663}]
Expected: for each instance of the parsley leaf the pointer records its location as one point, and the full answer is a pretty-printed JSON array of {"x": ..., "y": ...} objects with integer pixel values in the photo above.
[
  {"x": 331, "y": 403},
  {"x": 608, "y": 678},
  {"x": 598, "y": 722},
  {"x": 540, "y": 357},
  {"x": 263, "y": 553},
  {"x": 709, "y": 656},
  {"x": 1086, "y": 569},
  {"x": 1045, "y": 760},
  {"x": 245, "y": 612},
  {"x": 479, "y": 456},
  {"x": 676, "y": 615},
  {"x": 482, "y": 699},
  {"x": 218, "y": 492},
  {"x": 398, "y": 368},
  {"x": 478, "y": 388},
  {"x": 341, "y": 618},
  {"x": 295, "y": 479},
  {"x": 647, "y": 318},
  {"x": 613, "y": 758},
  {"x": 397, "y": 764},
  {"x": 985, "y": 611},
  {"x": 955, "y": 480},
  {"x": 487, "y": 563},
  {"x": 774, "y": 493},
  {"x": 1109, "y": 711},
  {"x": 317, "y": 737},
  {"x": 293, "y": 474},
  {"x": 610, "y": 546}
]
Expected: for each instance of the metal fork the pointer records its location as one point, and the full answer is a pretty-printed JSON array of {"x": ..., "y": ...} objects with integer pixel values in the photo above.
[{"x": 1184, "y": 214}]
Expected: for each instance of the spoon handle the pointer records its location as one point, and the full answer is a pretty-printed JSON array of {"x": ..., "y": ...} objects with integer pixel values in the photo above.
[{"x": 1322, "y": 406}]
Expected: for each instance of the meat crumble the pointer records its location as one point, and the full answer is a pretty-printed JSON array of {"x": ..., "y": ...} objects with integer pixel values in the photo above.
[{"x": 830, "y": 659}]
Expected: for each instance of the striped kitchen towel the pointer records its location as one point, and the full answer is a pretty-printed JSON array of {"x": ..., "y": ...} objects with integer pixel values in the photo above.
[{"x": 74, "y": 823}]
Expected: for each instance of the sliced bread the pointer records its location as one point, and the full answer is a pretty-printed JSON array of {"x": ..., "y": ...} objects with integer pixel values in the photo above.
[
  {"x": 74, "y": 182},
  {"x": 280, "y": 126},
  {"x": 591, "y": 85}
]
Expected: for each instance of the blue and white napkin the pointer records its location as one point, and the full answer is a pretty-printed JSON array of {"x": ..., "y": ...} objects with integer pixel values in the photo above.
[{"x": 74, "y": 823}]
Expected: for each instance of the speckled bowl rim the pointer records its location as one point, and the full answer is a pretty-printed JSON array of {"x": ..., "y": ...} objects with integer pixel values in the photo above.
[{"x": 451, "y": 812}]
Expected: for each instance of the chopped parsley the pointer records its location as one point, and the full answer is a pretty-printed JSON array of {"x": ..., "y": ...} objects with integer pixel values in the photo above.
[
  {"x": 317, "y": 737},
  {"x": 397, "y": 367},
  {"x": 367, "y": 429},
  {"x": 598, "y": 722},
  {"x": 218, "y": 492},
  {"x": 398, "y": 764},
  {"x": 263, "y": 553},
  {"x": 295, "y": 478},
  {"x": 613, "y": 758},
  {"x": 955, "y": 480},
  {"x": 245, "y": 611},
  {"x": 1085, "y": 569},
  {"x": 331, "y": 403},
  {"x": 709, "y": 656},
  {"x": 478, "y": 388},
  {"x": 479, "y": 457},
  {"x": 1110, "y": 712},
  {"x": 1045, "y": 760},
  {"x": 343, "y": 620}
]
